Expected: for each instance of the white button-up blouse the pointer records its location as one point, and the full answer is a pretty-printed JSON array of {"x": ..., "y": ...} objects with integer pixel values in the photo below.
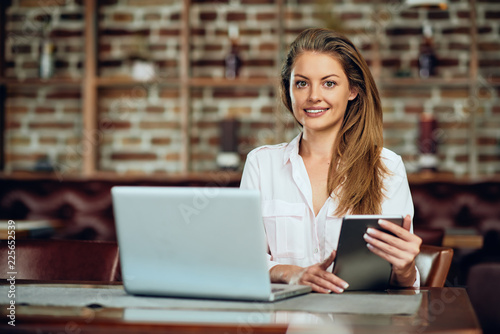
[{"x": 294, "y": 234}]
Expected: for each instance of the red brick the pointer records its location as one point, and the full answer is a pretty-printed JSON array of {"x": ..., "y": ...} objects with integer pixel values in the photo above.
[
  {"x": 400, "y": 47},
  {"x": 169, "y": 93},
  {"x": 488, "y": 46},
  {"x": 267, "y": 47},
  {"x": 170, "y": 32},
  {"x": 157, "y": 47},
  {"x": 394, "y": 62},
  {"x": 293, "y": 16},
  {"x": 159, "y": 125},
  {"x": 236, "y": 16},
  {"x": 131, "y": 141},
  {"x": 403, "y": 31},
  {"x": 134, "y": 156},
  {"x": 16, "y": 109},
  {"x": 123, "y": 32},
  {"x": 409, "y": 15},
  {"x": 231, "y": 93},
  {"x": 173, "y": 157},
  {"x": 64, "y": 95},
  {"x": 438, "y": 15},
  {"x": 266, "y": 16},
  {"x": 71, "y": 17},
  {"x": 454, "y": 93},
  {"x": 20, "y": 141},
  {"x": 51, "y": 125},
  {"x": 48, "y": 140},
  {"x": 456, "y": 31},
  {"x": 487, "y": 141},
  {"x": 62, "y": 33},
  {"x": 267, "y": 110},
  {"x": 492, "y": 15},
  {"x": 488, "y": 158},
  {"x": 212, "y": 47},
  {"x": 489, "y": 62},
  {"x": 414, "y": 109},
  {"x": 258, "y": 62},
  {"x": 44, "y": 110},
  {"x": 350, "y": 16},
  {"x": 447, "y": 62},
  {"x": 208, "y": 16},
  {"x": 399, "y": 125},
  {"x": 153, "y": 109},
  {"x": 123, "y": 17},
  {"x": 161, "y": 141},
  {"x": 106, "y": 124},
  {"x": 207, "y": 63}
]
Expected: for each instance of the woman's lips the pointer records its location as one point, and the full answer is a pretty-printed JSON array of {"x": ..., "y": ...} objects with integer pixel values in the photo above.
[{"x": 316, "y": 112}]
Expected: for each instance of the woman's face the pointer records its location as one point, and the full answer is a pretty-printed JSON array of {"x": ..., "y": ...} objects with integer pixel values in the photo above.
[{"x": 319, "y": 92}]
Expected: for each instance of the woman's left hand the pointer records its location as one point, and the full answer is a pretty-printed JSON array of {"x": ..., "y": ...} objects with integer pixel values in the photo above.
[{"x": 399, "y": 250}]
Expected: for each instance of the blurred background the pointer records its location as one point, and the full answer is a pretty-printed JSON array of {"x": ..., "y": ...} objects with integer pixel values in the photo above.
[
  {"x": 175, "y": 93},
  {"x": 143, "y": 87}
]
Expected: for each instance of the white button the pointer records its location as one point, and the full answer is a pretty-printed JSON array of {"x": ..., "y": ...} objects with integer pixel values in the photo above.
[{"x": 315, "y": 250}]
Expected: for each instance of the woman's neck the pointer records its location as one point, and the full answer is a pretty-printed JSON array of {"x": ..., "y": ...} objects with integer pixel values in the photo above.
[{"x": 317, "y": 145}]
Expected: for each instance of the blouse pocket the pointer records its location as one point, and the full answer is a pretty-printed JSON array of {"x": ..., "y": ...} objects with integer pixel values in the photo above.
[{"x": 285, "y": 228}]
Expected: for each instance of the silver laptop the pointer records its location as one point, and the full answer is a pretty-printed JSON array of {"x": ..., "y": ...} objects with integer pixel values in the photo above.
[{"x": 194, "y": 242}]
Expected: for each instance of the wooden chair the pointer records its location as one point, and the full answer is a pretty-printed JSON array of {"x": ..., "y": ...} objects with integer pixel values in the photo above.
[
  {"x": 62, "y": 260},
  {"x": 433, "y": 263}
]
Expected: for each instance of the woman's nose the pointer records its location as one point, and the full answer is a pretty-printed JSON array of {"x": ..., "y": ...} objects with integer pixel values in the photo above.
[{"x": 314, "y": 94}]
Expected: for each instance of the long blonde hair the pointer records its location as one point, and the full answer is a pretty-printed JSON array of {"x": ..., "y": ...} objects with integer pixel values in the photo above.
[{"x": 356, "y": 171}]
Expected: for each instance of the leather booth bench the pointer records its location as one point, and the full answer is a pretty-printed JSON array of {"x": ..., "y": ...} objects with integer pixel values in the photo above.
[{"x": 84, "y": 205}]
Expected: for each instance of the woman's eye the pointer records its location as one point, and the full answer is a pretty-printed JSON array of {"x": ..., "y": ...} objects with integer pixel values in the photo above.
[
  {"x": 301, "y": 84},
  {"x": 329, "y": 84}
]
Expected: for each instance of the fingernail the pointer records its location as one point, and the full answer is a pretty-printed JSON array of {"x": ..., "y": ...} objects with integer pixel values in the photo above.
[
  {"x": 328, "y": 291},
  {"x": 366, "y": 236},
  {"x": 340, "y": 290},
  {"x": 381, "y": 222},
  {"x": 369, "y": 230},
  {"x": 345, "y": 285}
]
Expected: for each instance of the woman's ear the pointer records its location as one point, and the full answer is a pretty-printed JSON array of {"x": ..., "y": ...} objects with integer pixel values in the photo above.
[{"x": 353, "y": 94}]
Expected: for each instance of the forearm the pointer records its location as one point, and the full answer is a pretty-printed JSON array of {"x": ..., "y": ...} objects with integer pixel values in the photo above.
[
  {"x": 405, "y": 278},
  {"x": 283, "y": 273}
]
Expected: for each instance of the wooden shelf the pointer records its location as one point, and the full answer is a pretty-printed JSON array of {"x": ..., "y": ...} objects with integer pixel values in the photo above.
[
  {"x": 238, "y": 82},
  {"x": 219, "y": 178},
  {"x": 40, "y": 82},
  {"x": 130, "y": 82},
  {"x": 418, "y": 82}
]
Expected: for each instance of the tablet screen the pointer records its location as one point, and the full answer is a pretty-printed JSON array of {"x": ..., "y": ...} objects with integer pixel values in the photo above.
[{"x": 354, "y": 262}]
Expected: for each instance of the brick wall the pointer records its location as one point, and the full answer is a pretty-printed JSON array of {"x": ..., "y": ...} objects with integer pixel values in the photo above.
[{"x": 139, "y": 127}]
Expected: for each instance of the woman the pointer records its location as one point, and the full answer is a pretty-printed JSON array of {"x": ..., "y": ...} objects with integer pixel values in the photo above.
[{"x": 335, "y": 166}]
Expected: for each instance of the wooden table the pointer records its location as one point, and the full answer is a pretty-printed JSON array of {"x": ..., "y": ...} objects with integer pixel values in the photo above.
[{"x": 442, "y": 310}]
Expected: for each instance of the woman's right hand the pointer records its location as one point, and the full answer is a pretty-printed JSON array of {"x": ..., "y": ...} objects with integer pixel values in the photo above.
[{"x": 315, "y": 276}]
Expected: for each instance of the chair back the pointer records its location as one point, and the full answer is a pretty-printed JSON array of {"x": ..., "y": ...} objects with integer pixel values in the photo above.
[
  {"x": 66, "y": 260},
  {"x": 433, "y": 263}
]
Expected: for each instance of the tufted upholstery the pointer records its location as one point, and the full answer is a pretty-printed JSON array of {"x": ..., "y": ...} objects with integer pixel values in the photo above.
[
  {"x": 73, "y": 260},
  {"x": 84, "y": 206},
  {"x": 454, "y": 204}
]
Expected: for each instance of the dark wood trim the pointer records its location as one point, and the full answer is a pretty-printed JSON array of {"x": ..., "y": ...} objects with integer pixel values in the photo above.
[
  {"x": 3, "y": 98},
  {"x": 89, "y": 91}
]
